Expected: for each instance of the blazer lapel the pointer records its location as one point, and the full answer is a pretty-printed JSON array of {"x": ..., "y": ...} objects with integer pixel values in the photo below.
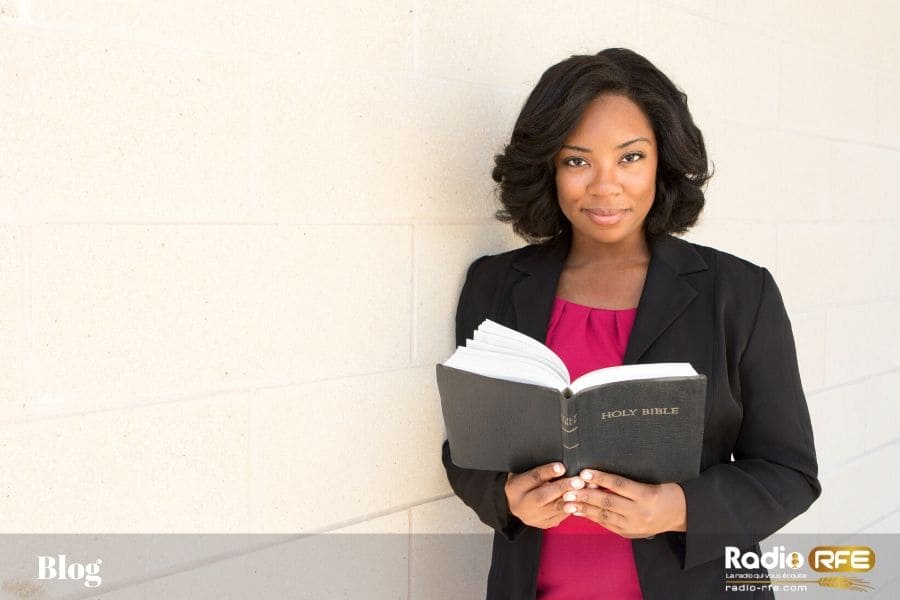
[
  {"x": 666, "y": 294},
  {"x": 664, "y": 297},
  {"x": 533, "y": 296}
]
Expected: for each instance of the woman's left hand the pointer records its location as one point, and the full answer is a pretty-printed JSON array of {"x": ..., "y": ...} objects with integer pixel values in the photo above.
[{"x": 627, "y": 507}]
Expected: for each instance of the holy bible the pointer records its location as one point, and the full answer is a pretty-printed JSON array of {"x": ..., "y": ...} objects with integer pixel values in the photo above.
[{"x": 509, "y": 405}]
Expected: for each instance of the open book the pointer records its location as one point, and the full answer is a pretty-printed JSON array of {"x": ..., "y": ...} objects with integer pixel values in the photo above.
[{"x": 509, "y": 405}]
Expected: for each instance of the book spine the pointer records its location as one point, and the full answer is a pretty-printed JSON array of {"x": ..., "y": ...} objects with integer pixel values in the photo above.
[{"x": 569, "y": 429}]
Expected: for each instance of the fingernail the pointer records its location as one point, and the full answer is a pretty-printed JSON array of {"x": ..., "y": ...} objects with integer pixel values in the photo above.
[
  {"x": 587, "y": 475},
  {"x": 578, "y": 514},
  {"x": 569, "y": 497},
  {"x": 558, "y": 468},
  {"x": 570, "y": 508},
  {"x": 577, "y": 484}
]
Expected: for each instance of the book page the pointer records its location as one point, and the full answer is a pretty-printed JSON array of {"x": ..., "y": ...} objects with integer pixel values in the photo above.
[
  {"x": 510, "y": 338},
  {"x": 497, "y": 343},
  {"x": 631, "y": 372},
  {"x": 505, "y": 366}
]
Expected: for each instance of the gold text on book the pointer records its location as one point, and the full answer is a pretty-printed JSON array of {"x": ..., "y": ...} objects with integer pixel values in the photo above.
[{"x": 631, "y": 412}]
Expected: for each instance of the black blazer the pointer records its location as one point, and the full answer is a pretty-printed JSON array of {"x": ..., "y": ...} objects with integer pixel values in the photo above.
[{"x": 726, "y": 317}]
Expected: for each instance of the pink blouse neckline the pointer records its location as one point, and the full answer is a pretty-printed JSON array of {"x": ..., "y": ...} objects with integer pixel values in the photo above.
[{"x": 559, "y": 299}]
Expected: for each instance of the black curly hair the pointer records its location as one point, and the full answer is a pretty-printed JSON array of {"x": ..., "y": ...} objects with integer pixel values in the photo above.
[{"x": 525, "y": 170}]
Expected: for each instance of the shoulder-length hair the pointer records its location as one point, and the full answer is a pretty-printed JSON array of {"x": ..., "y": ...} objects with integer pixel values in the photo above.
[{"x": 526, "y": 173}]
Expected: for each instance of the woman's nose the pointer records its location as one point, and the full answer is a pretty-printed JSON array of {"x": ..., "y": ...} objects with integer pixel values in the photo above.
[{"x": 604, "y": 181}]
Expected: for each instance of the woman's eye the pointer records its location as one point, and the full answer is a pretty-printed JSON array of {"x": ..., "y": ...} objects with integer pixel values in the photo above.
[
  {"x": 632, "y": 157},
  {"x": 575, "y": 161}
]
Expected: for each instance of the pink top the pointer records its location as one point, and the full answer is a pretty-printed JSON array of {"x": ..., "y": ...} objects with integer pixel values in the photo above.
[{"x": 581, "y": 559}]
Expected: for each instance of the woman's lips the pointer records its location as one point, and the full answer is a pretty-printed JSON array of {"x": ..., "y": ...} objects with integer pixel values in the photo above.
[{"x": 603, "y": 216}]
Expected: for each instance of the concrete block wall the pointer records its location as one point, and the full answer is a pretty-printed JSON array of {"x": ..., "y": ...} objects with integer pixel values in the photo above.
[{"x": 232, "y": 236}]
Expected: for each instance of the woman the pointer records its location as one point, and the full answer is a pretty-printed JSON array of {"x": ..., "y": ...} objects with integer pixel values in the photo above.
[{"x": 604, "y": 165}]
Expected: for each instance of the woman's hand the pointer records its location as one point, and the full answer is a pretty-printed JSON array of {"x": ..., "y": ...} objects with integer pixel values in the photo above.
[
  {"x": 535, "y": 496},
  {"x": 629, "y": 508}
]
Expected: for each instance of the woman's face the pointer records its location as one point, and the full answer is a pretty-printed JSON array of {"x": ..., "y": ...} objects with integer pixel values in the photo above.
[{"x": 606, "y": 173}]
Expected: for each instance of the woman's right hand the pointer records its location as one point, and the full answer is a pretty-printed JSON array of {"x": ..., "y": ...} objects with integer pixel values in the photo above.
[{"x": 536, "y": 496}]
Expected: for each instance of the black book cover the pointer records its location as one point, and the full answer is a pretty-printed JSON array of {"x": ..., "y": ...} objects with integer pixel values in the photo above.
[{"x": 649, "y": 430}]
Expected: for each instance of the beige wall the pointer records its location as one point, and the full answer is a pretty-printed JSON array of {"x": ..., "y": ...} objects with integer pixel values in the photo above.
[{"x": 232, "y": 237}]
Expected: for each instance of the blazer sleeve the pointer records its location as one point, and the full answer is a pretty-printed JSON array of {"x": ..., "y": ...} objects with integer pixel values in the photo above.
[
  {"x": 773, "y": 477},
  {"x": 482, "y": 491}
]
